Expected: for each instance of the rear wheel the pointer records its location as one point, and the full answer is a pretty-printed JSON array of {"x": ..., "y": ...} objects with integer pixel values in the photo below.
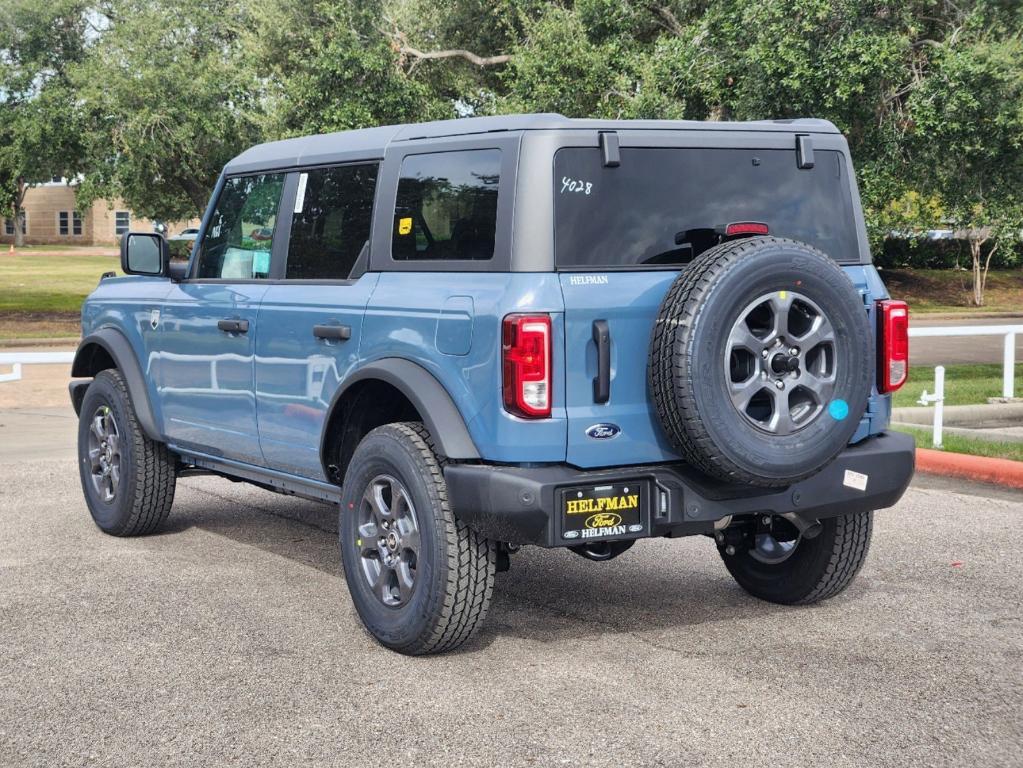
[
  {"x": 128, "y": 479},
  {"x": 420, "y": 580},
  {"x": 782, "y": 566}
]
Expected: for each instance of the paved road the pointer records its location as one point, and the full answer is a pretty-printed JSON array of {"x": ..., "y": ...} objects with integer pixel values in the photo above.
[{"x": 230, "y": 638}]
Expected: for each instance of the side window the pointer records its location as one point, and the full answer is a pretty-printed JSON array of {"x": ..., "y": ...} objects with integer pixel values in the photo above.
[
  {"x": 446, "y": 207},
  {"x": 331, "y": 222},
  {"x": 241, "y": 230}
]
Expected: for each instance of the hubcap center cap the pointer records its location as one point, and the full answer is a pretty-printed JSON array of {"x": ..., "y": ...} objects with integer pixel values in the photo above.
[
  {"x": 784, "y": 363},
  {"x": 392, "y": 541}
]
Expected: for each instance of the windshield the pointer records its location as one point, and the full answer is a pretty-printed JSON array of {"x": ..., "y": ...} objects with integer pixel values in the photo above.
[{"x": 666, "y": 206}]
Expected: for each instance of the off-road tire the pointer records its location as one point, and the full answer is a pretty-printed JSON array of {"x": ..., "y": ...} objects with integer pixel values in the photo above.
[
  {"x": 147, "y": 469},
  {"x": 819, "y": 568},
  {"x": 456, "y": 566},
  {"x": 685, "y": 369}
]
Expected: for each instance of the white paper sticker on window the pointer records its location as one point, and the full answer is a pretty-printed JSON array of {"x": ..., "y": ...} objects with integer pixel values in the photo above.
[
  {"x": 855, "y": 480},
  {"x": 300, "y": 195}
]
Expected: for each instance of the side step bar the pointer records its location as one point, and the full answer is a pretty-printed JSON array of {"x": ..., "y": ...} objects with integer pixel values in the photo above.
[{"x": 281, "y": 482}]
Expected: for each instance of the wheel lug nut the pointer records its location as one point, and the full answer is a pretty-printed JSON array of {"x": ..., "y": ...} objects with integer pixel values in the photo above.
[
  {"x": 779, "y": 384},
  {"x": 729, "y": 550},
  {"x": 794, "y": 350},
  {"x": 763, "y": 353}
]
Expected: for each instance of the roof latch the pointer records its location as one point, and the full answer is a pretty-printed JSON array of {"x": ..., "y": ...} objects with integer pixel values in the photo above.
[
  {"x": 612, "y": 158},
  {"x": 804, "y": 152}
]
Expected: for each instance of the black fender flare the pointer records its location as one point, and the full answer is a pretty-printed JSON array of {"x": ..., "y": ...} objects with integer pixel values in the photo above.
[
  {"x": 115, "y": 344},
  {"x": 440, "y": 414}
]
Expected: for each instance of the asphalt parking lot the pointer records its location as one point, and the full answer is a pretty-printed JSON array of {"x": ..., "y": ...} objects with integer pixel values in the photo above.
[{"x": 230, "y": 639}]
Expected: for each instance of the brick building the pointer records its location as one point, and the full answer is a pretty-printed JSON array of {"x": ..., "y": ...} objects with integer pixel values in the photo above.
[{"x": 51, "y": 218}]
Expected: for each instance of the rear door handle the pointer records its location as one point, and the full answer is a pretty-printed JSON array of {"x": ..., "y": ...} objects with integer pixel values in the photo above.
[
  {"x": 233, "y": 325},
  {"x": 602, "y": 381},
  {"x": 333, "y": 332}
]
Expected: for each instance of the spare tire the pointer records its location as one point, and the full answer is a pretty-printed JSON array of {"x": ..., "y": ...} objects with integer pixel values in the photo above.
[{"x": 761, "y": 361}]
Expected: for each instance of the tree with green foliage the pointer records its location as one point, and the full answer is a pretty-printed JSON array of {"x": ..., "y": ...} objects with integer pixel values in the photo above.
[
  {"x": 39, "y": 132},
  {"x": 167, "y": 102},
  {"x": 966, "y": 142}
]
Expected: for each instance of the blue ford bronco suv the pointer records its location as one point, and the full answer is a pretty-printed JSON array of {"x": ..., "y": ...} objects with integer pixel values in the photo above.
[{"x": 478, "y": 334}]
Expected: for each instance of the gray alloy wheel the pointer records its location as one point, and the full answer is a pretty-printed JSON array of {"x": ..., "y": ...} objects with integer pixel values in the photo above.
[
  {"x": 780, "y": 362},
  {"x": 127, "y": 478},
  {"x": 420, "y": 579},
  {"x": 105, "y": 453},
  {"x": 761, "y": 361},
  {"x": 388, "y": 540}
]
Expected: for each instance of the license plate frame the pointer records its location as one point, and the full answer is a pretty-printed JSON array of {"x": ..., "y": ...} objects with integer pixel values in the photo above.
[{"x": 583, "y": 517}]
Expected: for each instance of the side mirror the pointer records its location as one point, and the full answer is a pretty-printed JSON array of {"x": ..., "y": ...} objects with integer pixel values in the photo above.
[{"x": 144, "y": 253}]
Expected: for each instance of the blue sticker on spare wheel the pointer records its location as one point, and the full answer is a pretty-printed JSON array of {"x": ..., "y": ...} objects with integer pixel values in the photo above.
[{"x": 838, "y": 409}]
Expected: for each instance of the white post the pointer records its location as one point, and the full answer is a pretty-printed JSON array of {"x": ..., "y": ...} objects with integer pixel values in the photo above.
[
  {"x": 1009, "y": 371},
  {"x": 939, "y": 404}
]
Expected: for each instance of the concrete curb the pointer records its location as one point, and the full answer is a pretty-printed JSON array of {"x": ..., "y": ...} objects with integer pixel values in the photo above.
[{"x": 1004, "y": 472}]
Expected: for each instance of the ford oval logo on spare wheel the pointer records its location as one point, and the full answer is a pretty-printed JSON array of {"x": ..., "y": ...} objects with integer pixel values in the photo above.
[{"x": 603, "y": 431}]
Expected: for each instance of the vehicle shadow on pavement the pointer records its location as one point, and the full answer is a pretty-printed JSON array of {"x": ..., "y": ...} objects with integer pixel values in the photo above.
[{"x": 548, "y": 595}]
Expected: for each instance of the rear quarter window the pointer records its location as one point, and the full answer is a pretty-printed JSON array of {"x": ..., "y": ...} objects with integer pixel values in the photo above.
[
  {"x": 446, "y": 207},
  {"x": 665, "y": 206}
]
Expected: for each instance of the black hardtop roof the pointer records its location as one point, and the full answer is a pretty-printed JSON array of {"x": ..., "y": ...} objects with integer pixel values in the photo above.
[{"x": 370, "y": 143}]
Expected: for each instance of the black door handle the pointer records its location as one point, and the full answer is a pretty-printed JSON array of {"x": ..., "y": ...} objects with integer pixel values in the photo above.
[
  {"x": 602, "y": 381},
  {"x": 333, "y": 332},
  {"x": 233, "y": 325}
]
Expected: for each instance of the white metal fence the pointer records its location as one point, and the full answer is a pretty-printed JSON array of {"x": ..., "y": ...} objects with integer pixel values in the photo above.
[
  {"x": 1008, "y": 334},
  {"x": 18, "y": 359}
]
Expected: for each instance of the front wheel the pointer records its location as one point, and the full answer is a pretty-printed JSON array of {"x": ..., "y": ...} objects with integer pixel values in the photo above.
[
  {"x": 420, "y": 580},
  {"x": 128, "y": 479},
  {"x": 784, "y": 567}
]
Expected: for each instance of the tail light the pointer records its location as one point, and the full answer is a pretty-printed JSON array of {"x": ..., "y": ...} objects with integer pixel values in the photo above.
[
  {"x": 893, "y": 345},
  {"x": 526, "y": 353}
]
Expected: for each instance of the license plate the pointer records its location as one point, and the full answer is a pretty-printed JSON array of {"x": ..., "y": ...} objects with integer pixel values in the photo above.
[{"x": 602, "y": 512}]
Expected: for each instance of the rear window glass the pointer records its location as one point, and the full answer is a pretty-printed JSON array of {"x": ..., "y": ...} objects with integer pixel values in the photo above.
[
  {"x": 446, "y": 207},
  {"x": 666, "y": 206}
]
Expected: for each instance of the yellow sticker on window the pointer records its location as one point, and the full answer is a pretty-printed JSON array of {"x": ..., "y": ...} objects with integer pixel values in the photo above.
[{"x": 405, "y": 225}]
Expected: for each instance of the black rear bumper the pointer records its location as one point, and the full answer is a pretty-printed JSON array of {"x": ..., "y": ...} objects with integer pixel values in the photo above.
[{"x": 519, "y": 504}]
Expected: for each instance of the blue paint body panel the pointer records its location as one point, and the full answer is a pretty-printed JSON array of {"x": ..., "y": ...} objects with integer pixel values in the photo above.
[
  {"x": 407, "y": 314},
  {"x": 297, "y": 374},
  {"x": 204, "y": 376},
  {"x": 264, "y": 397}
]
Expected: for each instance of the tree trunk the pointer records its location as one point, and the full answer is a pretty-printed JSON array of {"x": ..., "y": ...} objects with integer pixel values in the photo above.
[
  {"x": 19, "y": 214},
  {"x": 980, "y": 270}
]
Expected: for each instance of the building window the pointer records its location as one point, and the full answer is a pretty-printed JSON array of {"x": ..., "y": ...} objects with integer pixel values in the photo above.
[
  {"x": 9, "y": 224},
  {"x": 69, "y": 222},
  {"x": 122, "y": 222}
]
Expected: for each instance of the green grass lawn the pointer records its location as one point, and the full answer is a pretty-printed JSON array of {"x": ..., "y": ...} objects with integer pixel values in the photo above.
[
  {"x": 49, "y": 281},
  {"x": 960, "y": 444},
  {"x": 964, "y": 384}
]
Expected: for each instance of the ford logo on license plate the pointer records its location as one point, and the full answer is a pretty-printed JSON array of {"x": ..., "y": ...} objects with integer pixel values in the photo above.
[{"x": 603, "y": 431}]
